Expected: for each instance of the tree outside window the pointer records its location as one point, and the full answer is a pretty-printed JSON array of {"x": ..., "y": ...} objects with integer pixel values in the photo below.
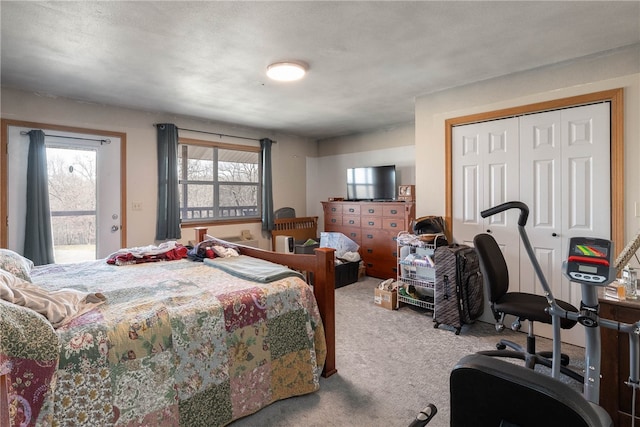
[{"x": 218, "y": 182}]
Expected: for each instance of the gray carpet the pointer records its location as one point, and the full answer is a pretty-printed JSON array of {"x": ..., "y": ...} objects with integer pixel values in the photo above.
[{"x": 390, "y": 365}]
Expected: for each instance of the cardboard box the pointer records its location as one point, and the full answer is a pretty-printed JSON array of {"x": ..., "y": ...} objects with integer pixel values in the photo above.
[{"x": 386, "y": 299}]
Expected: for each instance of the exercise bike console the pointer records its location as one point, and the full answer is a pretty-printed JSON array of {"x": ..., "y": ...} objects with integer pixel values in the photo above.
[{"x": 590, "y": 261}]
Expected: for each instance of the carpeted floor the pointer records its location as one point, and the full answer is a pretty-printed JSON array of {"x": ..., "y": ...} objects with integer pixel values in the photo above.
[{"x": 390, "y": 365}]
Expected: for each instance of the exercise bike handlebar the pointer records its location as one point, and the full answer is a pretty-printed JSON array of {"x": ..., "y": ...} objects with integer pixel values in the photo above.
[{"x": 524, "y": 211}]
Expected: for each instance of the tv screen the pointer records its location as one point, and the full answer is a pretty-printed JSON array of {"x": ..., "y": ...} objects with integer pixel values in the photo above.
[{"x": 371, "y": 183}]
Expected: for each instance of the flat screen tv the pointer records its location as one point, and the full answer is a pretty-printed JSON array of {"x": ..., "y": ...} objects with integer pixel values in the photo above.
[{"x": 371, "y": 183}]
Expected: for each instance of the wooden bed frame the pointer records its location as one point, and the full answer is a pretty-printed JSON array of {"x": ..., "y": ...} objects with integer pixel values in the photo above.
[
  {"x": 300, "y": 229},
  {"x": 322, "y": 265}
]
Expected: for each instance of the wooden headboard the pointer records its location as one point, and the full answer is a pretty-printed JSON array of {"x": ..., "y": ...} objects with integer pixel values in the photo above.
[{"x": 300, "y": 229}]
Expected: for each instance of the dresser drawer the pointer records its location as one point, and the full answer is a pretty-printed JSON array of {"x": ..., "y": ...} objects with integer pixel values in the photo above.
[
  {"x": 351, "y": 209},
  {"x": 333, "y": 220},
  {"x": 371, "y": 222},
  {"x": 383, "y": 269},
  {"x": 379, "y": 242},
  {"x": 394, "y": 224},
  {"x": 351, "y": 221},
  {"x": 352, "y": 233},
  {"x": 372, "y": 210},
  {"x": 332, "y": 209},
  {"x": 393, "y": 210}
]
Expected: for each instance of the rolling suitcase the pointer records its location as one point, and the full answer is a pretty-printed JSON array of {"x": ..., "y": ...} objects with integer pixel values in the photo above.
[{"x": 459, "y": 293}]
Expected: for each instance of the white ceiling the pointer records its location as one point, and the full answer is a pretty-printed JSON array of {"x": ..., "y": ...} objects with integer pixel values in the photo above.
[{"x": 368, "y": 60}]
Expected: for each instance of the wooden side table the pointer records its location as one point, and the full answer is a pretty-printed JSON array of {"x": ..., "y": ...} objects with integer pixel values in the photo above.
[{"x": 615, "y": 395}]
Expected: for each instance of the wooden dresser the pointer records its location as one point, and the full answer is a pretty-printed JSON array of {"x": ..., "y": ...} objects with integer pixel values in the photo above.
[
  {"x": 615, "y": 396},
  {"x": 374, "y": 226}
]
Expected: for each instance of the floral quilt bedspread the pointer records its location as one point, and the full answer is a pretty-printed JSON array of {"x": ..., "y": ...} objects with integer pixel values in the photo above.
[{"x": 177, "y": 343}]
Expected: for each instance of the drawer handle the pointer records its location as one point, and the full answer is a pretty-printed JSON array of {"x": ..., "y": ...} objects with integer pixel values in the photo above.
[
  {"x": 334, "y": 220},
  {"x": 395, "y": 254},
  {"x": 353, "y": 234},
  {"x": 372, "y": 223},
  {"x": 393, "y": 211},
  {"x": 370, "y": 251},
  {"x": 369, "y": 236},
  {"x": 333, "y": 209},
  {"x": 394, "y": 224},
  {"x": 372, "y": 210},
  {"x": 351, "y": 210},
  {"x": 351, "y": 221},
  {"x": 369, "y": 265}
]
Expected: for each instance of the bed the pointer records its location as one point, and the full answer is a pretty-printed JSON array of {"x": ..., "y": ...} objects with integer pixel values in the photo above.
[
  {"x": 176, "y": 342},
  {"x": 300, "y": 228}
]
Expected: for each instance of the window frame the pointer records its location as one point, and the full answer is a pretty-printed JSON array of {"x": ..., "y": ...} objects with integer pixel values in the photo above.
[{"x": 216, "y": 183}]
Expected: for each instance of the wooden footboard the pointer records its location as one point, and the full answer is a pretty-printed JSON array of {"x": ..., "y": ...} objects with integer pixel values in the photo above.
[
  {"x": 4, "y": 400},
  {"x": 322, "y": 265},
  {"x": 301, "y": 229}
]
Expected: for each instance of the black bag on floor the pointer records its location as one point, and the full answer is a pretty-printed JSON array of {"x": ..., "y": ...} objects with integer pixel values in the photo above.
[{"x": 459, "y": 293}]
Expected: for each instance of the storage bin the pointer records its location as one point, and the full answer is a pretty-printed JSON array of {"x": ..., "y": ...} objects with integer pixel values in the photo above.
[
  {"x": 305, "y": 249},
  {"x": 347, "y": 273}
]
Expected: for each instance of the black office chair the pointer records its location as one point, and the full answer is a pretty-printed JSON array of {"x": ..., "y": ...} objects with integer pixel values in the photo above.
[
  {"x": 490, "y": 392},
  {"x": 523, "y": 306}
]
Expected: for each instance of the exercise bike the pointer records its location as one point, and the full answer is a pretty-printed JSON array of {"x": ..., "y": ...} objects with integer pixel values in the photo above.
[{"x": 589, "y": 263}]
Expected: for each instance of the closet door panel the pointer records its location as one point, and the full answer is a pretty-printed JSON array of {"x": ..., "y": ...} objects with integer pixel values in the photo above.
[
  {"x": 500, "y": 143},
  {"x": 586, "y": 161},
  {"x": 540, "y": 167},
  {"x": 467, "y": 182}
]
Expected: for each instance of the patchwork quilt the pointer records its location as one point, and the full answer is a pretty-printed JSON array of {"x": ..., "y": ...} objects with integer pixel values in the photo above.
[{"x": 178, "y": 343}]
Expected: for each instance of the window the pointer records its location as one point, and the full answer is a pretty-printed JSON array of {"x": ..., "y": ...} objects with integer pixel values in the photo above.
[{"x": 218, "y": 182}]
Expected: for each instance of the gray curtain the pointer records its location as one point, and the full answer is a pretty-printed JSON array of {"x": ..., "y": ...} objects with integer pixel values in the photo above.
[
  {"x": 267, "y": 186},
  {"x": 38, "y": 239},
  {"x": 168, "y": 217}
]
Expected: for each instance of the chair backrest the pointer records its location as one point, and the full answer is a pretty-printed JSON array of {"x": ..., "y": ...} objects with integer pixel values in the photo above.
[
  {"x": 487, "y": 391},
  {"x": 284, "y": 213},
  {"x": 493, "y": 266}
]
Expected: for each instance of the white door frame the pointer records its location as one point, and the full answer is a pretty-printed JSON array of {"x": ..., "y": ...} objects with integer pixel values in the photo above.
[{"x": 6, "y": 124}]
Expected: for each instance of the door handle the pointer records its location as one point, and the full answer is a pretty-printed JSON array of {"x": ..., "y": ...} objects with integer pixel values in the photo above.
[
  {"x": 115, "y": 228},
  {"x": 555, "y": 234}
]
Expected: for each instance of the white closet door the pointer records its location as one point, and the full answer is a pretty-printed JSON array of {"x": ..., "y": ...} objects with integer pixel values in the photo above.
[
  {"x": 485, "y": 174},
  {"x": 586, "y": 158},
  {"x": 540, "y": 189},
  {"x": 467, "y": 183},
  {"x": 558, "y": 163},
  {"x": 565, "y": 180}
]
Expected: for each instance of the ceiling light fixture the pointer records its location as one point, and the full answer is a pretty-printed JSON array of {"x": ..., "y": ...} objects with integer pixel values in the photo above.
[{"x": 286, "y": 71}]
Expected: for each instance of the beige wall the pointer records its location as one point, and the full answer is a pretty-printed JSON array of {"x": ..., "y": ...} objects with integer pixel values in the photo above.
[
  {"x": 306, "y": 172},
  {"x": 327, "y": 174},
  {"x": 288, "y": 154},
  {"x": 612, "y": 70}
]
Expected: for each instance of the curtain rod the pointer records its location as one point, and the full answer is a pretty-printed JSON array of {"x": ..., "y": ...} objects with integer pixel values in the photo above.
[
  {"x": 220, "y": 134},
  {"x": 101, "y": 141}
]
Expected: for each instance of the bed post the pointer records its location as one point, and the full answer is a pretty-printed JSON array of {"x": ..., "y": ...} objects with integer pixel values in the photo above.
[
  {"x": 324, "y": 290},
  {"x": 4, "y": 401}
]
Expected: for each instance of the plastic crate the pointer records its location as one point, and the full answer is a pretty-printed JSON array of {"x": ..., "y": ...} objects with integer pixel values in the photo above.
[
  {"x": 347, "y": 273},
  {"x": 305, "y": 249}
]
